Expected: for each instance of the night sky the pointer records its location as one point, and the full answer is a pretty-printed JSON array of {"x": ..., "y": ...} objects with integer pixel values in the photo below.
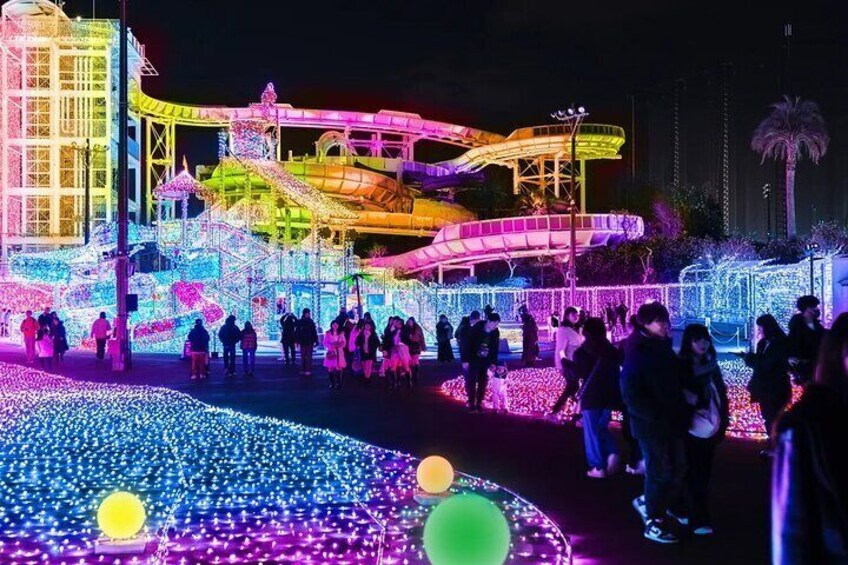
[{"x": 496, "y": 64}]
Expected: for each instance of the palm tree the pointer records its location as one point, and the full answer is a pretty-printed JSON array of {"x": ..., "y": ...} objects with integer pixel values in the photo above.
[
  {"x": 539, "y": 202},
  {"x": 794, "y": 126},
  {"x": 355, "y": 278}
]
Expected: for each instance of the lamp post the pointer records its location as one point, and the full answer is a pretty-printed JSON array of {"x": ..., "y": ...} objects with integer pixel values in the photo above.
[
  {"x": 812, "y": 248},
  {"x": 121, "y": 362},
  {"x": 86, "y": 151},
  {"x": 767, "y": 198},
  {"x": 572, "y": 118}
]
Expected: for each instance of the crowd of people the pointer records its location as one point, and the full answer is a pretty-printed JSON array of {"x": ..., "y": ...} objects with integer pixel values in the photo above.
[
  {"x": 676, "y": 413},
  {"x": 45, "y": 338},
  {"x": 352, "y": 347},
  {"x": 674, "y": 404}
]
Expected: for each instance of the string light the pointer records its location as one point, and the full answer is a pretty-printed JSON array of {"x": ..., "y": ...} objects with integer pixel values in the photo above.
[
  {"x": 533, "y": 391},
  {"x": 217, "y": 486}
]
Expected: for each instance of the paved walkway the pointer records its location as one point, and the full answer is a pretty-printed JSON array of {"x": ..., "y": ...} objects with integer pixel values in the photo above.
[{"x": 541, "y": 461}]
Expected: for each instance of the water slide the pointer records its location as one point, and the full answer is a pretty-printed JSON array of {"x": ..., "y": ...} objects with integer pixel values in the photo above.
[
  {"x": 385, "y": 205},
  {"x": 471, "y": 243}
]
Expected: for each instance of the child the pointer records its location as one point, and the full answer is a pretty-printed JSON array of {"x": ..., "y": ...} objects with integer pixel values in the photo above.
[
  {"x": 44, "y": 348},
  {"x": 497, "y": 384}
]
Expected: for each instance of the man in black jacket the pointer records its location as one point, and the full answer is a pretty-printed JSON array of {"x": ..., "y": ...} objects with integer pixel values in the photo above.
[
  {"x": 483, "y": 342},
  {"x": 659, "y": 416},
  {"x": 805, "y": 337},
  {"x": 229, "y": 335},
  {"x": 198, "y": 337},
  {"x": 463, "y": 333},
  {"x": 288, "y": 327},
  {"x": 307, "y": 338}
]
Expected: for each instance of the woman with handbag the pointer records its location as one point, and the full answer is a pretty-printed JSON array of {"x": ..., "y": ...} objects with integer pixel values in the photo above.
[
  {"x": 706, "y": 393},
  {"x": 597, "y": 363},
  {"x": 334, "y": 358}
]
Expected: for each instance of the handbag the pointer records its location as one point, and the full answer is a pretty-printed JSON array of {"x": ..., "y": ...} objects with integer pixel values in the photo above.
[{"x": 706, "y": 421}]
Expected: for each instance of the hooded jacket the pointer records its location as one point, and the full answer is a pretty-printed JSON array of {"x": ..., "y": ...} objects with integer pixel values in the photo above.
[{"x": 651, "y": 388}]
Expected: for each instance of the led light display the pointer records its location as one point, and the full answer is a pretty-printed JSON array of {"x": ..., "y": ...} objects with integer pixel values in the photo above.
[
  {"x": 217, "y": 486},
  {"x": 532, "y": 393}
]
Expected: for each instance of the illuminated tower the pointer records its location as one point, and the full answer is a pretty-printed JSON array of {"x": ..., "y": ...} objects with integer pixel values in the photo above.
[{"x": 58, "y": 96}]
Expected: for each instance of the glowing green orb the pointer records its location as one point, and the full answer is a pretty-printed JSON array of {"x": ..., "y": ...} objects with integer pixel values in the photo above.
[{"x": 466, "y": 530}]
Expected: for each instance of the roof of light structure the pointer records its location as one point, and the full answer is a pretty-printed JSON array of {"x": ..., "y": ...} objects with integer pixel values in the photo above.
[
  {"x": 29, "y": 8},
  {"x": 182, "y": 186}
]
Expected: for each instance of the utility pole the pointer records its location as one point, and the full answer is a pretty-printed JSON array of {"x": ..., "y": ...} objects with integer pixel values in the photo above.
[
  {"x": 121, "y": 362},
  {"x": 572, "y": 117},
  {"x": 87, "y": 151}
]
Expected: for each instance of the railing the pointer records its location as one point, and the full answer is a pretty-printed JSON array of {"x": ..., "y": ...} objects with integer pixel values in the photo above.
[
  {"x": 633, "y": 226},
  {"x": 561, "y": 129}
]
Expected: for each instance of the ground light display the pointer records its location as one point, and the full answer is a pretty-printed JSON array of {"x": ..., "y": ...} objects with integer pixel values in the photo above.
[
  {"x": 217, "y": 486},
  {"x": 532, "y": 392}
]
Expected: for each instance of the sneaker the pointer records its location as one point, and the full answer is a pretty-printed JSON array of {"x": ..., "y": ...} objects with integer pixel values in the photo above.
[
  {"x": 613, "y": 464},
  {"x": 704, "y": 530},
  {"x": 640, "y": 507},
  {"x": 655, "y": 530},
  {"x": 639, "y": 469},
  {"x": 595, "y": 473},
  {"x": 682, "y": 520}
]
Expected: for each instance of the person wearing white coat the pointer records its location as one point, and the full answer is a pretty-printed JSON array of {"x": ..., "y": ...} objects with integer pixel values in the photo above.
[{"x": 568, "y": 339}]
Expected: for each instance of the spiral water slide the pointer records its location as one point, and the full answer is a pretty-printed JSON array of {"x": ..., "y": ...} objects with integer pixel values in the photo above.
[{"x": 386, "y": 205}]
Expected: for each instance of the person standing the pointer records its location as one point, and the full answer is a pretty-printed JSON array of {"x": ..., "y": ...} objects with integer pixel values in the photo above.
[
  {"x": 198, "y": 339},
  {"x": 249, "y": 343},
  {"x": 44, "y": 348},
  {"x": 307, "y": 338},
  {"x": 444, "y": 334},
  {"x": 367, "y": 343},
  {"x": 567, "y": 341},
  {"x": 288, "y": 326},
  {"x": 463, "y": 337},
  {"x": 809, "y": 487},
  {"x": 597, "y": 364},
  {"x": 805, "y": 336},
  {"x": 622, "y": 310},
  {"x": 413, "y": 336},
  {"x": 706, "y": 393},
  {"x": 483, "y": 342},
  {"x": 4, "y": 323},
  {"x": 635, "y": 463},
  {"x": 100, "y": 332},
  {"x": 334, "y": 357},
  {"x": 659, "y": 416},
  {"x": 29, "y": 330},
  {"x": 229, "y": 335},
  {"x": 529, "y": 338},
  {"x": 45, "y": 318},
  {"x": 60, "y": 341},
  {"x": 769, "y": 385}
]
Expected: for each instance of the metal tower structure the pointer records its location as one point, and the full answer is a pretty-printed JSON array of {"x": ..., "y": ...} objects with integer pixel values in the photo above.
[{"x": 58, "y": 92}]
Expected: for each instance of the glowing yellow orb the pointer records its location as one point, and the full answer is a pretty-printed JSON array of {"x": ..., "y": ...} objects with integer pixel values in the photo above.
[
  {"x": 121, "y": 515},
  {"x": 435, "y": 474}
]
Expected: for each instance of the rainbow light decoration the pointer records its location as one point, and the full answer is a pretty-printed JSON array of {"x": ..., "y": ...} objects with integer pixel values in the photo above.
[
  {"x": 532, "y": 392},
  {"x": 218, "y": 486}
]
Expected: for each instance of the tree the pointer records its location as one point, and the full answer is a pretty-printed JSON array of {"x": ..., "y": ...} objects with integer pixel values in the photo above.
[
  {"x": 540, "y": 202},
  {"x": 355, "y": 278},
  {"x": 793, "y": 127}
]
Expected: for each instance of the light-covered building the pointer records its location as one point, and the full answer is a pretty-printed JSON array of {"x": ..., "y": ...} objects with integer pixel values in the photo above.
[{"x": 59, "y": 93}]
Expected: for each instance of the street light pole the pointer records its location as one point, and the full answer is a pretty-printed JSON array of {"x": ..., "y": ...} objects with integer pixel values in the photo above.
[
  {"x": 572, "y": 117},
  {"x": 121, "y": 362}
]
